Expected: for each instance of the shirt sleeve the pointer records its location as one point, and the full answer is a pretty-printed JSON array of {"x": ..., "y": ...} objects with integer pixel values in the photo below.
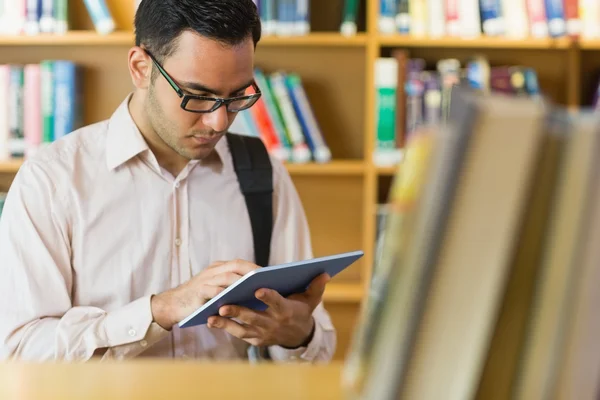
[
  {"x": 291, "y": 242},
  {"x": 37, "y": 319}
]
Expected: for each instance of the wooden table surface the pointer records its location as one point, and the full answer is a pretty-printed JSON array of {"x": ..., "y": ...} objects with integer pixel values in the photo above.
[{"x": 169, "y": 380}]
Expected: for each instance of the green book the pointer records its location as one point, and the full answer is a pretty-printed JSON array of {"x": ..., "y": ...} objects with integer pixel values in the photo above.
[
  {"x": 47, "y": 95},
  {"x": 349, "y": 18},
  {"x": 61, "y": 16}
]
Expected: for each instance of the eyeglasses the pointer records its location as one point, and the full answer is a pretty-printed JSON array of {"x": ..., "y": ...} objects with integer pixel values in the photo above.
[{"x": 203, "y": 104}]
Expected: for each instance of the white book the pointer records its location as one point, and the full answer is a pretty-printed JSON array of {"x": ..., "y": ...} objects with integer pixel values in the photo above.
[
  {"x": 436, "y": 18},
  {"x": 32, "y": 22},
  {"x": 470, "y": 19},
  {"x": 47, "y": 18},
  {"x": 14, "y": 17},
  {"x": 515, "y": 18}
]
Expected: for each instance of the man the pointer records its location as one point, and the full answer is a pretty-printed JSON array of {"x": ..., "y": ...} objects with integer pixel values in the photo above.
[{"x": 114, "y": 234}]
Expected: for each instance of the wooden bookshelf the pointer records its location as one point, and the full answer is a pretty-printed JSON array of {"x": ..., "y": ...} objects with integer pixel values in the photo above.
[{"x": 340, "y": 197}]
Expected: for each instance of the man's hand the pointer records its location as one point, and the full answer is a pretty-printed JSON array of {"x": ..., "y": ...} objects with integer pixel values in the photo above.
[
  {"x": 172, "y": 306},
  {"x": 286, "y": 322}
]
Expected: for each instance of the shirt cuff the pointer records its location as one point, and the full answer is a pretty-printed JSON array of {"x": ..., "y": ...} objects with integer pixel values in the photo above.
[{"x": 308, "y": 353}]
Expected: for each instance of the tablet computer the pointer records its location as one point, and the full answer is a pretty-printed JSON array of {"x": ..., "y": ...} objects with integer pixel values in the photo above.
[{"x": 286, "y": 279}]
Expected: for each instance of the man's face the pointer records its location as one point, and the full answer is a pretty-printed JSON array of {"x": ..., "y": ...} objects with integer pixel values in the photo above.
[{"x": 204, "y": 67}]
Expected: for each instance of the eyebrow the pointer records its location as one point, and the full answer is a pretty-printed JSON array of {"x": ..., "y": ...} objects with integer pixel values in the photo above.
[{"x": 201, "y": 88}]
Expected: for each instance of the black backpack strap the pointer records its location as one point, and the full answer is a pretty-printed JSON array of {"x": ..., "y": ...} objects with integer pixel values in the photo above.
[{"x": 255, "y": 174}]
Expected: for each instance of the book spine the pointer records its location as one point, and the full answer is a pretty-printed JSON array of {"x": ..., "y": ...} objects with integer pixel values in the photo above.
[
  {"x": 515, "y": 19},
  {"x": 61, "y": 16},
  {"x": 101, "y": 16},
  {"x": 47, "y": 70},
  {"x": 285, "y": 135},
  {"x": 572, "y": 18},
  {"x": 273, "y": 113},
  {"x": 401, "y": 57},
  {"x": 387, "y": 16},
  {"x": 302, "y": 18},
  {"x": 349, "y": 18},
  {"x": 432, "y": 99},
  {"x": 491, "y": 17},
  {"x": 300, "y": 151},
  {"x": 4, "y": 99},
  {"x": 15, "y": 13},
  {"x": 265, "y": 128},
  {"x": 16, "y": 119},
  {"x": 470, "y": 18},
  {"x": 402, "y": 17},
  {"x": 414, "y": 97},
  {"x": 386, "y": 85},
  {"x": 306, "y": 116},
  {"x": 32, "y": 17},
  {"x": 418, "y": 17},
  {"x": 268, "y": 14},
  {"x": 436, "y": 18},
  {"x": 33, "y": 109},
  {"x": 537, "y": 18},
  {"x": 67, "y": 98},
  {"x": 452, "y": 18},
  {"x": 555, "y": 14},
  {"x": 47, "y": 17},
  {"x": 286, "y": 10}
]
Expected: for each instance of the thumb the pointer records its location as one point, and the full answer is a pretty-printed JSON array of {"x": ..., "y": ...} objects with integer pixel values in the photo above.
[{"x": 315, "y": 291}]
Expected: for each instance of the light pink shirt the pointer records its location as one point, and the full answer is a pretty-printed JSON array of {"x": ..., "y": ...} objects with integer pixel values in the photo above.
[{"x": 93, "y": 226}]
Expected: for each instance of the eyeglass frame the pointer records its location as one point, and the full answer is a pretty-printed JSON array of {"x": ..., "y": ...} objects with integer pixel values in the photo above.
[{"x": 219, "y": 101}]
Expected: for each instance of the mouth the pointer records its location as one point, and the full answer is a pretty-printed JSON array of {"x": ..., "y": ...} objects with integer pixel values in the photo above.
[{"x": 206, "y": 140}]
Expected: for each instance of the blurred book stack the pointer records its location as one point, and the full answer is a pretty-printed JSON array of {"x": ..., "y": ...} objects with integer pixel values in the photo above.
[
  {"x": 39, "y": 103},
  {"x": 517, "y": 19},
  {"x": 292, "y": 17},
  {"x": 486, "y": 287},
  {"x": 284, "y": 119},
  {"x": 35, "y": 17},
  {"x": 410, "y": 95}
]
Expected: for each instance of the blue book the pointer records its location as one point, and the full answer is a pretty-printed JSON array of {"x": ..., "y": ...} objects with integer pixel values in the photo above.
[
  {"x": 555, "y": 14},
  {"x": 68, "y": 115}
]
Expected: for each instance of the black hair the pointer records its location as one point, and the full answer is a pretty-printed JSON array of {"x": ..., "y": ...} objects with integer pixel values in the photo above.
[{"x": 159, "y": 23}]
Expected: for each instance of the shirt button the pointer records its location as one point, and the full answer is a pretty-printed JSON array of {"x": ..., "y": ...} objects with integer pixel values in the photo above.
[
  {"x": 143, "y": 343},
  {"x": 178, "y": 242},
  {"x": 177, "y": 184},
  {"x": 132, "y": 332}
]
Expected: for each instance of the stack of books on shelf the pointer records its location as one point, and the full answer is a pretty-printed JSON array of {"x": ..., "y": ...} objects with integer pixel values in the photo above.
[
  {"x": 487, "y": 285},
  {"x": 515, "y": 19},
  {"x": 34, "y": 17},
  {"x": 410, "y": 96},
  {"x": 292, "y": 17},
  {"x": 39, "y": 103},
  {"x": 284, "y": 119}
]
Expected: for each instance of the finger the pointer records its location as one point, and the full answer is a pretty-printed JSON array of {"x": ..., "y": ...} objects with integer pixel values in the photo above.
[
  {"x": 314, "y": 294},
  {"x": 216, "y": 264},
  {"x": 239, "y": 267},
  {"x": 246, "y": 316},
  {"x": 224, "y": 279},
  {"x": 272, "y": 299},
  {"x": 233, "y": 328},
  {"x": 210, "y": 291}
]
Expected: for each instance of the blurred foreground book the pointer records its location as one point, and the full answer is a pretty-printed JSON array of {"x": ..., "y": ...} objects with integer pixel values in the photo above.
[{"x": 486, "y": 284}]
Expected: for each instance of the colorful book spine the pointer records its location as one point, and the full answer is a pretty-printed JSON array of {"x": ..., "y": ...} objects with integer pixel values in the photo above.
[
  {"x": 47, "y": 16},
  {"x": 47, "y": 82},
  {"x": 32, "y": 17},
  {"x": 536, "y": 11},
  {"x": 286, "y": 15},
  {"x": 452, "y": 18},
  {"x": 274, "y": 115},
  {"x": 4, "y": 99},
  {"x": 555, "y": 14},
  {"x": 387, "y": 16},
  {"x": 300, "y": 151},
  {"x": 268, "y": 16},
  {"x": 432, "y": 99},
  {"x": 101, "y": 16},
  {"x": 386, "y": 85},
  {"x": 302, "y": 18},
  {"x": 414, "y": 97},
  {"x": 572, "y": 19},
  {"x": 403, "y": 17},
  {"x": 61, "y": 16},
  {"x": 68, "y": 113},
  {"x": 266, "y": 130},
  {"x": 418, "y": 17},
  {"x": 491, "y": 17},
  {"x": 308, "y": 121},
  {"x": 33, "y": 109},
  {"x": 16, "y": 119},
  {"x": 349, "y": 19}
]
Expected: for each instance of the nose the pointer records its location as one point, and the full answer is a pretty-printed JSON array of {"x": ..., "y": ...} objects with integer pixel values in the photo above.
[{"x": 217, "y": 120}]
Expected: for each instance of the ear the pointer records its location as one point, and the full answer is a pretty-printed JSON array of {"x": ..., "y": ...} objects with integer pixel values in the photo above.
[{"x": 140, "y": 67}]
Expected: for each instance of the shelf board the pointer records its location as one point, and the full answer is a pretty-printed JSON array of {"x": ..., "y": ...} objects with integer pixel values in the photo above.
[
  {"x": 589, "y": 44},
  {"x": 126, "y": 38},
  {"x": 342, "y": 167},
  {"x": 71, "y": 38},
  {"x": 386, "y": 171},
  {"x": 336, "y": 167},
  {"x": 344, "y": 293},
  {"x": 315, "y": 39},
  {"x": 481, "y": 42}
]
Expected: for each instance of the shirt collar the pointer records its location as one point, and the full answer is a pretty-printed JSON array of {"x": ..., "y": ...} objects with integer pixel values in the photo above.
[{"x": 124, "y": 140}]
